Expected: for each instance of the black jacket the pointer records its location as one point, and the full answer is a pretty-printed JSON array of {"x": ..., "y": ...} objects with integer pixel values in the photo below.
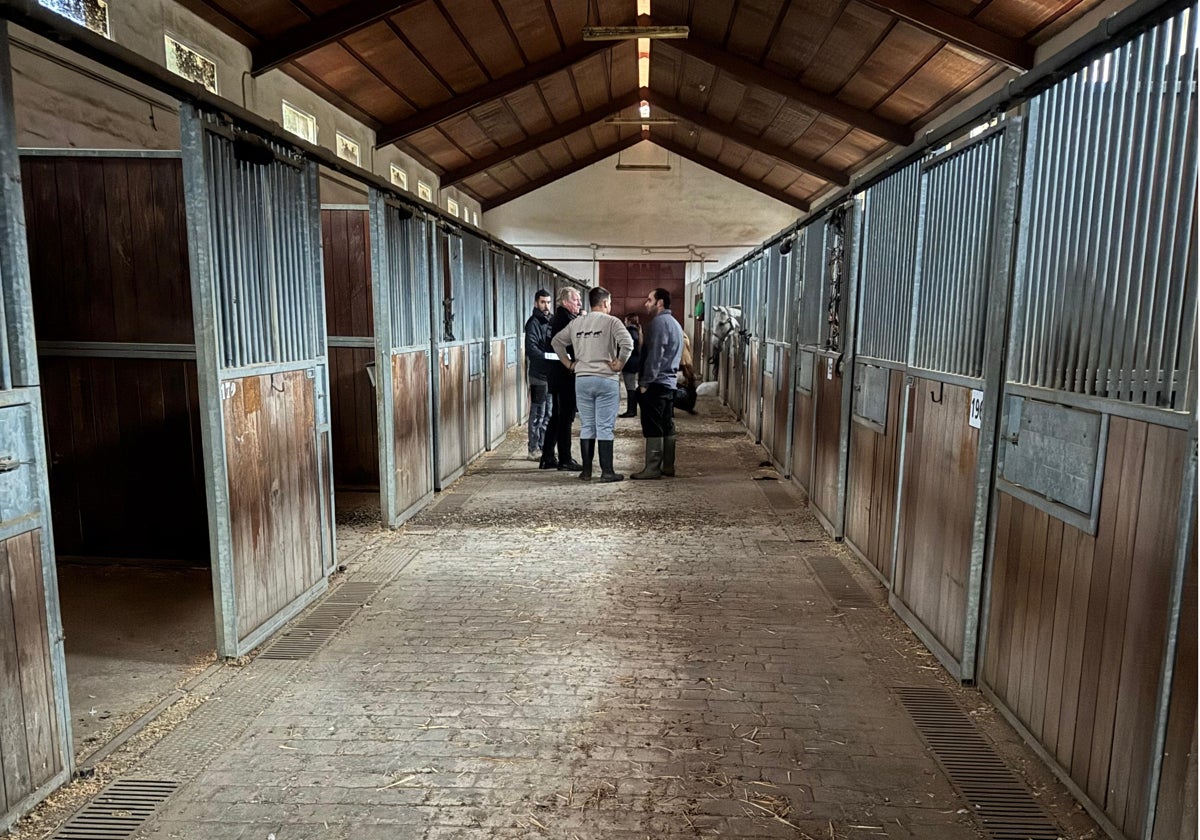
[
  {"x": 560, "y": 376},
  {"x": 537, "y": 344},
  {"x": 635, "y": 358}
]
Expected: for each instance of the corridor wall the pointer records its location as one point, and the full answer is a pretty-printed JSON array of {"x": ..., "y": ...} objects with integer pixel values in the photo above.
[{"x": 1020, "y": 466}]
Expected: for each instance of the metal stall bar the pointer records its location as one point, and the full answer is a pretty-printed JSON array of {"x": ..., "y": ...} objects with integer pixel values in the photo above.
[
  {"x": 36, "y": 685},
  {"x": 850, "y": 256}
]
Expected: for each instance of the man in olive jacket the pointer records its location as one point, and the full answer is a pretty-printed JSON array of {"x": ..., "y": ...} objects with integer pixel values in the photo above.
[{"x": 562, "y": 391}]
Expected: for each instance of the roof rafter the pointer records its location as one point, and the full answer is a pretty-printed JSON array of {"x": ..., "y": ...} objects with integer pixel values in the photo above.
[
  {"x": 732, "y": 174},
  {"x": 550, "y": 135},
  {"x": 960, "y": 31},
  {"x": 749, "y": 72},
  {"x": 492, "y": 90},
  {"x": 569, "y": 169},
  {"x": 323, "y": 30},
  {"x": 745, "y": 138}
]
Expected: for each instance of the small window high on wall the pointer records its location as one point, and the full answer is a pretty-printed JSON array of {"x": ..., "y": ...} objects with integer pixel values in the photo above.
[
  {"x": 424, "y": 192},
  {"x": 184, "y": 61},
  {"x": 300, "y": 123},
  {"x": 349, "y": 150},
  {"x": 399, "y": 177},
  {"x": 452, "y": 206},
  {"x": 90, "y": 13}
]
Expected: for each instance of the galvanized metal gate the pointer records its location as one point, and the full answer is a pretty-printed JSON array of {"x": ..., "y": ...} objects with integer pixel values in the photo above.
[
  {"x": 258, "y": 302},
  {"x": 400, "y": 291},
  {"x": 504, "y": 372},
  {"x": 36, "y": 754},
  {"x": 955, "y": 360}
]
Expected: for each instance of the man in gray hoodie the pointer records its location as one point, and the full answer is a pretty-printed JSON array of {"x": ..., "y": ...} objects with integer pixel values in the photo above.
[{"x": 595, "y": 347}]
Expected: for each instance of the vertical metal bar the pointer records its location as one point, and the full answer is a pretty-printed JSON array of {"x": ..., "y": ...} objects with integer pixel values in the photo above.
[
  {"x": 1166, "y": 680},
  {"x": 1182, "y": 212},
  {"x": 901, "y": 473},
  {"x": 18, "y": 348},
  {"x": 383, "y": 278},
  {"x": 208, "y": 371},
  {"x": 489, "y": 308},
  {"x": 850, "y": 272},
  {"x": 433, "y": 276},
  {"x": 1001, "y": 233},
  {"x": 1055, "y": 234}
]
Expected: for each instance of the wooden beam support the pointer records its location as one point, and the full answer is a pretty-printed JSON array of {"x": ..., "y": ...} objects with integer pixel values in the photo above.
[
  {"x": 551, "y": 177},
  {"x": 745, "y": 138},
  {"x": 538, "y": 140},
  {"x": 960, "y": 31},
  {"x": 732, "y": 174},
  {"x": 323, "y": 30},
  {"x": 753, "y": 74},
  {"x": 492, "y": 90}
]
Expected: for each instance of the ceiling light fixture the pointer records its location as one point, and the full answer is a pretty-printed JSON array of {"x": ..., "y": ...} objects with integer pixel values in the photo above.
[
  {"x": 640, "y": 121},
  {"x": 628, "y": 33}
]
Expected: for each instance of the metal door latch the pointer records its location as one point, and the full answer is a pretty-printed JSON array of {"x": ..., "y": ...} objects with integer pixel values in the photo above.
[{"x": 8, "y": 463}]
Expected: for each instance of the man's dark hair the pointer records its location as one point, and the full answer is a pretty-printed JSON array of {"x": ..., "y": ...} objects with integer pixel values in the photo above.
[
  {"x": 540, "y": 293},
  {"x": 664, "y": 296},
  {"x": 597, "y": 296}
]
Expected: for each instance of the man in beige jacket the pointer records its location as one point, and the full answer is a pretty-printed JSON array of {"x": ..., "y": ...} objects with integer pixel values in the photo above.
[{"x": 595, "y": 346}]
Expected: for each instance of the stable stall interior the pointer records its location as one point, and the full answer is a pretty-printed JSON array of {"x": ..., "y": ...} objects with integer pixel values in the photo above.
[{"x": 112, "y": 306}]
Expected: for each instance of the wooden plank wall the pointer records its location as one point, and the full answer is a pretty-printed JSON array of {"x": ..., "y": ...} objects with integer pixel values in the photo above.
[
  {"x": 452, "y": 411},
  {"x": 872, "y": 481},
  {"x": 938, "y": 510},
  {"x": 108, "y": 263},
  {"x": 349, "y": 312},
  {"x": 29, "y": 736},
  {"x": 802, "y": 431},
  {"x": 769, "y": 426},
  {"x": 630, "y": 281},
  {"x": 476, "y": 429},
  {"x": 1078, "y": 622},
  {"x": 827, "y": 431},
  {"x": 126, "y": 459},
  {"x": 500, "y": 393},
  {"x": 275, "y": 494},
  {"x": 410, "y": 379},
  {"x": 754, "y": 387},
  {"x": 514, "y": 380},
  {"x": 779, "y": 407}
]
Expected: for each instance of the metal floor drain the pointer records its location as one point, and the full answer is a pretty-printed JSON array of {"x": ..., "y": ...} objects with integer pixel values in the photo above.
[
  {"x": 117, "y": 811},
  {"x": 839, "y": 584},
  {"x": 998, "y": 799},
  {"x": 318, "y": 626}
]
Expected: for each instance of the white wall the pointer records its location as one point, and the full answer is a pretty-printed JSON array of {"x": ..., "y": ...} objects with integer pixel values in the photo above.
[{"x": 640, "y": 215}]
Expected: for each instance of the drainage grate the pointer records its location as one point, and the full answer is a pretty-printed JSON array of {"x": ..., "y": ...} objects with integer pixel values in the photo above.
[
  {"x": 117, "y": 811},
  {"x": 997, "y": 798},
  {"x": 318, "y": 626},
  {"x": 839, "y": 584}
]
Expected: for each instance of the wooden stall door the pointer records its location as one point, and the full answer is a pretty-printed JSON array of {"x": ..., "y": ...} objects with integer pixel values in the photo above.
[
  {"x": 827, "y": 435},
  {"x": 802, "y": 422},
  {"x": 452, "y": 413},
  {"x": 499, "y": 394},
  {"x": 874, "y": 468},
  {"x": 938, "y": 510}
]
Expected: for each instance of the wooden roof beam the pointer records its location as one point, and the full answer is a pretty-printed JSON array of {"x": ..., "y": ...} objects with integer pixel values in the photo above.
[
  {"x": 538, "y": 140},
  {"x": 753, "y": 74},
  {"x": 732, "y": 174},
  {"x": 551, "y": 177},
  {"x": 745, "y": 138},
  {"x": 960, "y": 31},
  {"x": 492, "y": 90},
  {"x": 323, "y": 30}
]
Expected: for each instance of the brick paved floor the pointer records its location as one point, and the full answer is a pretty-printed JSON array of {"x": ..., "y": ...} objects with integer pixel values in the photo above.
[{"x": 570, "y": 660}]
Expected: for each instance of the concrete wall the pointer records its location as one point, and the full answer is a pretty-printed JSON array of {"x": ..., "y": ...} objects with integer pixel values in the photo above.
[
  {"x": 65, "y": 101},
  {"x": 635, "y": 215}
]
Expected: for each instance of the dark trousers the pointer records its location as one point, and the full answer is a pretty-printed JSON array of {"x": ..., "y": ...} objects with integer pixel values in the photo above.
[
  {"x": 657, "y": 406},
  {"x": 562, "y": 417}
]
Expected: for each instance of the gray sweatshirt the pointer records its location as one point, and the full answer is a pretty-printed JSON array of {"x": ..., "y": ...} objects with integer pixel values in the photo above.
[{"x": 594, "y": 339}]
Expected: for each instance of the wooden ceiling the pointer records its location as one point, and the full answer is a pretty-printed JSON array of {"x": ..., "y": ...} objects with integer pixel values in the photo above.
[{"x": 503, "y": 96}]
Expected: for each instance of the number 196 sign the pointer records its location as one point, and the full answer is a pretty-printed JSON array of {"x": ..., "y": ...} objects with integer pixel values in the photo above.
[{"x": 975, "y": 417}]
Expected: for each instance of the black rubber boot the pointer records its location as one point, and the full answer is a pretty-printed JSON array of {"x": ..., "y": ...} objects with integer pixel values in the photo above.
[
  {"x": 654, "y": 459},
  {"x": 587, "y": 450},
  {"x": 632, "y": 410},
  {"x": 668, "y": 459},
  {"x": 606, "y": 463}
]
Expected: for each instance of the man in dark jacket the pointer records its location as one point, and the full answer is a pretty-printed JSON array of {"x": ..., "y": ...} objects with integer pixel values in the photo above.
[
  {"x": 562, "y": 392},
  {"x": 539, "y": 355}
]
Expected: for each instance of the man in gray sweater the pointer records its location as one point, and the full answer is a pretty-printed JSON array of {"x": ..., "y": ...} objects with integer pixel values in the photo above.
[{"x": 595, "y": 346}]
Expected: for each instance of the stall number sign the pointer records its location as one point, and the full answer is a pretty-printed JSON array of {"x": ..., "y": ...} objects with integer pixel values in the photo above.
[
  {"x": 975, "y": 418},
  {"x": 829, "y": 368}
]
